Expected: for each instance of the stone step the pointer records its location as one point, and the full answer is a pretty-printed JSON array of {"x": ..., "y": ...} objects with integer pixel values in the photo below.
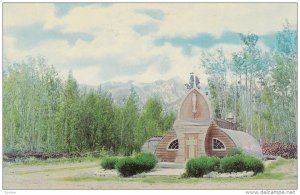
[{"x": 170, "y": 165}]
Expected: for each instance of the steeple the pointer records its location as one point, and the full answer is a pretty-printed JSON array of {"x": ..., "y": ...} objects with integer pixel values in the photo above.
[
  {"x": 194, "y": 86},
  {"x": 195, "y": 104}
]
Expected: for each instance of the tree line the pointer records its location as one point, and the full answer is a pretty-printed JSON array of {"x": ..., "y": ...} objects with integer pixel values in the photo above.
[
  {"x": 258, "y": 87},
  {"x": 41, "y": 112}
]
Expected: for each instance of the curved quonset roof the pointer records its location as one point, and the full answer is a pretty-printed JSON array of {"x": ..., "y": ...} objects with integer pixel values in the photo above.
[
  {"x": 151, "y": 144},
  {"x": 245, "y": 141}
]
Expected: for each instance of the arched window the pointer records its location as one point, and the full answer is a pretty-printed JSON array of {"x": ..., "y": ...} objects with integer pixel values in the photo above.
[
  {"x": 173, "y": 145},
  {"x": 218, "y": 145}
]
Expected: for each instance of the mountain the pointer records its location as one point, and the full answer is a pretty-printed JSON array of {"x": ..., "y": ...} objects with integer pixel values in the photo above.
[{"x": 170, "y": 92}]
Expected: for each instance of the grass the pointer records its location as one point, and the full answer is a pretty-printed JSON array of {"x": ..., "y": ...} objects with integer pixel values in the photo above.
[
  {"x": 33, "y": 161},
  {"x": 278, "y": 163},
  {"x": 56, "y": 169},
  {"x": 152, "y": 179},
  {"x": 268, "y": 174},
  {"x": 174, "y": 179},
  {"x": 91, "y": 178}
]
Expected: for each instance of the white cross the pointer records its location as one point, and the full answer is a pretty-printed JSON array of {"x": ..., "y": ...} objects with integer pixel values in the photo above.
[
  {"x": 191, "y": 143},
  {"x": 194, "y": 99}
]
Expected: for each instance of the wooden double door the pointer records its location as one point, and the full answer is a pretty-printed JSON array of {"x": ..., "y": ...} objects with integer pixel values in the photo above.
[{"x": 191, "y": 143}]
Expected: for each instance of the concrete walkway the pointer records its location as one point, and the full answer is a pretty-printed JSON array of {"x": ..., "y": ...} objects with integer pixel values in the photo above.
[
  {"x": 165, "y": 172},
  {"x": 170, "y": 165},
  {"x": 167, "y": 169}
]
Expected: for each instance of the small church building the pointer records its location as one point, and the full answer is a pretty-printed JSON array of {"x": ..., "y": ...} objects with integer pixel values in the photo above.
[{"x": 195, "y": 133}]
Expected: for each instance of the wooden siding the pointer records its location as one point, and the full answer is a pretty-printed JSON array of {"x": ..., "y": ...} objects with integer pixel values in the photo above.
[
  {"x": 161, "y": 151},
  {"x": 215, "y": 132}
]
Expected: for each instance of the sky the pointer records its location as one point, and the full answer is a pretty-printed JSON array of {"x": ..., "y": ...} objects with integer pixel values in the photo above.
[{"x": 142, "y": 42}]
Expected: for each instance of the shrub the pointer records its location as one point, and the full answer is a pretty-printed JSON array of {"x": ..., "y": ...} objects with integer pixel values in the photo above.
[
  {"x": 184, "y": 175},
  {"x": 239, "y": 163},
  {"x": 129, "y": 166},
  {"x": 109, "y": 162},
  {"x": 197, "y": 167},
  {"x": 147, "y": 161},
  {"x": 235, "y": 151},
  {"x": 254, "y": 164},
  {"x": 232, "y": 164}
]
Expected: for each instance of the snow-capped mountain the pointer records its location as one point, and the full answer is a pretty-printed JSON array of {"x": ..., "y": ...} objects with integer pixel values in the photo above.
[{"x": 170, "y": 92}]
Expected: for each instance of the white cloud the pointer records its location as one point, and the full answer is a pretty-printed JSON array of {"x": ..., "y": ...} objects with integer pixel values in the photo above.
[
  {"x": 215, "y": 18},
  {"x": 88, "y": 75},
  {"x": 22, "y": 14},
  {"x": 118, "y": 18},
  {"x": 114, "y": 35}
]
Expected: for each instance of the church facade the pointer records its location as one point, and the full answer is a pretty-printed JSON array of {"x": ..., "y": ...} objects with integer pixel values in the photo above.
[{"x": 195, "y": 133}]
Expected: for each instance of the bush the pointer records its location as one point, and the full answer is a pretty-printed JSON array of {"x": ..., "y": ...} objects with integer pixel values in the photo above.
[
  {"x": 235, "y": 151},
  {"x": 239, "y": 163},
  {"x": 129, "y": 166},
  {"x": 147, "y": 161},
  {"x": 184, "y": 175},
  {"x": 232, "y": 164},
  {"x": 198, "y": 167},
  {"x": 254, "y": 164},
  {"x": 109, "y": 163}
]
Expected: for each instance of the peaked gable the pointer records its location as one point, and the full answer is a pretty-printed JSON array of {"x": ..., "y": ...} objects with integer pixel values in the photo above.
[{"x": 194, "y": 106}]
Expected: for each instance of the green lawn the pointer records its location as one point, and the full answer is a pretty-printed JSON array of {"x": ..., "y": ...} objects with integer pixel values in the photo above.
[
  {"x": 34, "y": 161},
  {"x": 269, "y": 173}
]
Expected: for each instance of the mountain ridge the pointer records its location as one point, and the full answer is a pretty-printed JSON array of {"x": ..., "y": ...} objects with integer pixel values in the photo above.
[{"x": 170, "y": 92}]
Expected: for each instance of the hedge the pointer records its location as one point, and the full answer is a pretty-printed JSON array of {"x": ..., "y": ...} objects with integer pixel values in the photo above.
[
  {"x": 253, "y": 164},
  {"x": 198, "y": 167},
  {"x": 129, "y": 166},
  {"x": 235, "y": 162},
  {"x": 235, "y": 151},
  {"x": 109, "y": 162},
  {"x": 239, "y": 163},
  {"x": 147, "y": 161}
]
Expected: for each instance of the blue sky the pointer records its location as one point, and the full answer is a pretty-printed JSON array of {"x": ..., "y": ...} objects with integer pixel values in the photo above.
[
  {"x": 62, "y": 9},
  {"x": 143, "y": 42},
  {"x": 153, "y": 13},
  {"x": 31, "y": 35}
]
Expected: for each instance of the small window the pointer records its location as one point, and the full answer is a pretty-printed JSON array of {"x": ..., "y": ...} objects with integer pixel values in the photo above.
[
  {"x": 173, "y": 145},
  {"x": 218, "y": 145}
]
